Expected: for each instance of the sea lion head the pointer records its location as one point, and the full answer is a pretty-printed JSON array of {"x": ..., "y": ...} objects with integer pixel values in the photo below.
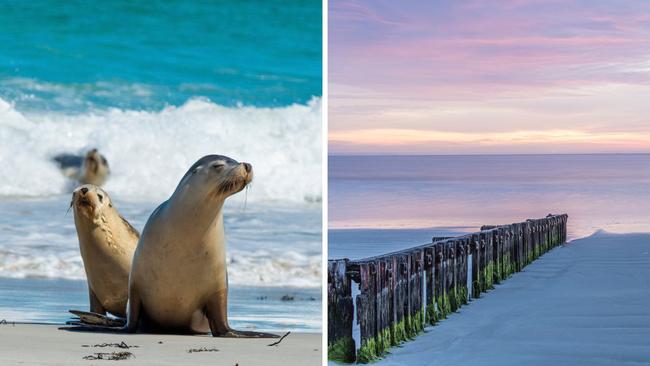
[
  {"x": 218, "y": 176},
  {"x": 95, "y": 168},
  {"x": 94, "y": 161},
  {"x": 89, "y": 200}
]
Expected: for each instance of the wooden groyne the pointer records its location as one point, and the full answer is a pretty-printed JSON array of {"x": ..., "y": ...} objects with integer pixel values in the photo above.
[{"x": 402, "y": 292}]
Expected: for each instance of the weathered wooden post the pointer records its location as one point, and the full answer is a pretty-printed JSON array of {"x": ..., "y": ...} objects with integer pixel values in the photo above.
[
  {"x": 403, "y": 296},
  {"x": 528, "y": 235},
  {"x": 510, "y": 251},
  {"x": 498, "y": 247},
  {"x": 512, "y": 233},
  {"x": 390, "y": 287},
  {"x": 475, "y": 247},
  {"x": 450, "y": 270},
  {"x": 340, "y": 313},
  {"x": 429, "y": 269},
  {"x": 538, "y": 238},
  {"x": 383, "y": 307},
  {"x": 542, "y": 229},
  {"x": 483, "y": 238},
  {"x": 440, "y": 280},
  {"x": 393, "y": 290},
  {"x": 488, "y": 241},
  {"x": 464, "y": 253},
  {"x": 366, "y": 317},
  {"x": 418, "y": 294}
]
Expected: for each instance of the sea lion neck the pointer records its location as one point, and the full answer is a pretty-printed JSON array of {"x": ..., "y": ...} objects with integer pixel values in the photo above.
[{"x": 200, "y": 212}]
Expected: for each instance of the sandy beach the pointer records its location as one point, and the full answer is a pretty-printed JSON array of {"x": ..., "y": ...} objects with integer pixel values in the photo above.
[
  {"x": 36, "y": 344},
  {"x": 585, "y": 303}
]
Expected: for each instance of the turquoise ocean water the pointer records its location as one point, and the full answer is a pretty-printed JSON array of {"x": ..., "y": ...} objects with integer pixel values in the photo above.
[
  {"x": 155, "y": 86},
  {"x": 146, "y": 55}
]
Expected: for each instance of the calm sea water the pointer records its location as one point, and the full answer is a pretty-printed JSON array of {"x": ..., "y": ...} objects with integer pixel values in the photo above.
[
  {"x": 155, "y": 86},
  {"x": 383, "y": 203}
]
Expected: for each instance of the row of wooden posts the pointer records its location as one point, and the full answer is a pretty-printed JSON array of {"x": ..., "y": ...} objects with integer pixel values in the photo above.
[{"x": 401, "y": 292}]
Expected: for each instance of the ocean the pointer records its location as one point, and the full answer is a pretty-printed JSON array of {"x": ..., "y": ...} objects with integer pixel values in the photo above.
[
  {"x": 379, "y": 204},
  {"x": 154, "y": 86}
]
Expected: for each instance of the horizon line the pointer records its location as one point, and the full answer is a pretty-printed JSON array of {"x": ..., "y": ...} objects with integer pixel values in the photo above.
[{"x": 483, "y": 154}]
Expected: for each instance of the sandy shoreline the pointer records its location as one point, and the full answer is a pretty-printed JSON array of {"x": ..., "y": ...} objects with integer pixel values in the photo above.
[
  {"x": 585, "y": 303},
  {"x": 39, "y": 344}
]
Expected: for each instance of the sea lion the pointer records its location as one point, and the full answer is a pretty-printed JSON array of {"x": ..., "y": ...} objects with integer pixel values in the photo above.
[
  {"x": 178, "y": 280},
  {"x": 94, "y": 169},
  {"x": 91, "y": 168},
  {"x": 107, "y": 243}
]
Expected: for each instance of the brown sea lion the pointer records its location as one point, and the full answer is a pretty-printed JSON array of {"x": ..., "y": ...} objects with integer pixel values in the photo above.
[
  {"x": 107, "y": 243},
  {"x": 178, "y": 280}
]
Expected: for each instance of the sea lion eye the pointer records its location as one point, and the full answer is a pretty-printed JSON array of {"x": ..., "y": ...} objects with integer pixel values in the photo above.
[
  {"x": 218, "y": 166},
  {"x": 101, "y": 198}
]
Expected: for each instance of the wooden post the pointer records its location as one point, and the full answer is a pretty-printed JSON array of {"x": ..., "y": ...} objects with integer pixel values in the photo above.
[
  {"x": 475, "y": 247},
  {"x": 384, "y": 341},
  {"x": 464, "y": 253},
  {"x": 510, "y": 252},
  {"x": 488, "y": 241},
  {"x": 366, "y": 317},
  {"x": 401, "y": 299},
  {"x": 340, "y": 313},
  {"x": 429, "y": 269},
  {"x": 450, "y": 248},
  {"x": 440, "y": 280},
  {"x": 417, "y": 293},
  {"x": 498, "y": 257},
  {"x": 483, "y": 236},
  {"x": 519, "y": 237},
  {"x": 529, "y": 242}
]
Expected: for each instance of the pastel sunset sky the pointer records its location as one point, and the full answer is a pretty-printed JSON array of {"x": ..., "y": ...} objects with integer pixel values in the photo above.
[{"x": 472, "y": 77}]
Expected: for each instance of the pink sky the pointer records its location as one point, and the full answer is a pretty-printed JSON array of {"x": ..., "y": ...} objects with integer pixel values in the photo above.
[{"x": 459, "y": 77}]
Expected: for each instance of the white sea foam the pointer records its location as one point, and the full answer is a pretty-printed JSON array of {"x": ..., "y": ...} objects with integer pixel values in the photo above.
[
  {"x": 246, "y": 268},
  {"x": 148, "y": 152},
  {"x": 274, "y": 227},
  {"x": 269, "y": 245}
]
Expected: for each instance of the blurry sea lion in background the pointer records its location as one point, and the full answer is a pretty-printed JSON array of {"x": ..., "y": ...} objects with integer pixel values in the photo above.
[
  {"x": 107, "y": 243},
  {"x": 94, "y": 169},
  {"x": 91, "y": 169}
]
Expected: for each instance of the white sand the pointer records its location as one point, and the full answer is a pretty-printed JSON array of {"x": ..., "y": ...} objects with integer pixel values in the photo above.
[
  {"x": 30, "y": 344},
  {"x": 587, "y": 303}
]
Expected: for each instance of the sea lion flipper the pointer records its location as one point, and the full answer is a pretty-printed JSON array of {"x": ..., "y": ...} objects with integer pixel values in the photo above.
[
  {"x": 246, "y": 334},
  {"x": 94, "y": 328},
  {"x": 87, "y": 318}
]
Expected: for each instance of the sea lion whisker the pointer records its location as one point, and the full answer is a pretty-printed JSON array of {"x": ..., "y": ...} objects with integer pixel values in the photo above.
[{"x": 242, "y": 205}]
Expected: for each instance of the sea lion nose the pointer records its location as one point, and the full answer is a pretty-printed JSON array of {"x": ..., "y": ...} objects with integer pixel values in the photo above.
[
  {"x": 248, "y": 167},
  {"x": 84, "y": 190}
]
